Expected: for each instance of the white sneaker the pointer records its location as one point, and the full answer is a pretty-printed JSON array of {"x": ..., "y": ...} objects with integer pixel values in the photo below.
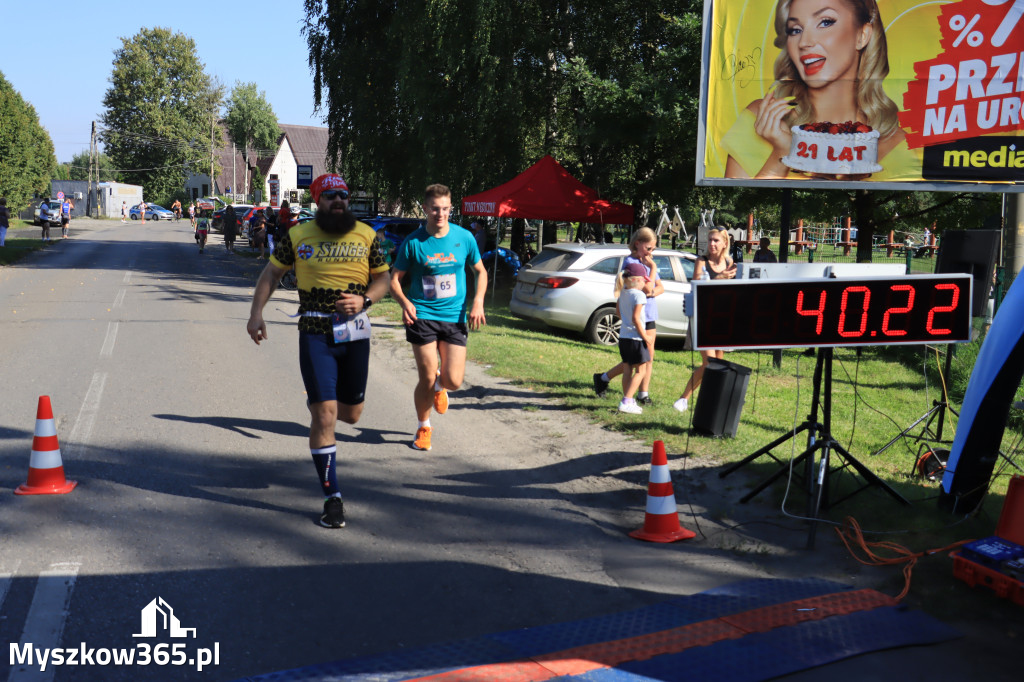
[
  {"x": 630, "y": 408},
  {"x": 681, "y": 404}
]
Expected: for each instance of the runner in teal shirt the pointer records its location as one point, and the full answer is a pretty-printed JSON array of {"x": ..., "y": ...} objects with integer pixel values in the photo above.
[
  {"x": 435, "y": 258},
  {"x": 437, "y": 271}
]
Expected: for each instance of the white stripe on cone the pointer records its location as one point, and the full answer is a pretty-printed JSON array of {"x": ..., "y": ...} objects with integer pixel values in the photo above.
[
  {"x": 45, "y": 459},
  {"x": 662, "y": 505}
]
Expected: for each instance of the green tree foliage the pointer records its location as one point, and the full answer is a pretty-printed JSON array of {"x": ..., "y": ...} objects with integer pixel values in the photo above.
[
  {"x": 435, "y": 91},
  {"x": 157, "y": 111},
  {"x": 27, "y": 159},
  {"x": 251, "y": 122},
  {"x": 78, "y": 168}
]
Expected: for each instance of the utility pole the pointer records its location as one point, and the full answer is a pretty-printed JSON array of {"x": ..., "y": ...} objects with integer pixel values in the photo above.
[
  {"x": 93, "y": 175},
  {"x": 213, "y": 116}
]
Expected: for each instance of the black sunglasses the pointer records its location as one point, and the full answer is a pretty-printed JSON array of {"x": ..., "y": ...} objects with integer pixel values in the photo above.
[{"x": 331, "y": 194}]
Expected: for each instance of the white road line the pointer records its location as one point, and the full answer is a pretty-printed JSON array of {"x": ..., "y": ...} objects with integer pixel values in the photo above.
[
  {"x": 119, "y": 299},
  {"x": 6, "y": 578},
  {"x": 108, "y": 343},
  {"x": 127, "y": 277},
  {"x": 47, "y": 615},
  {"x": 78, "y": 440}
]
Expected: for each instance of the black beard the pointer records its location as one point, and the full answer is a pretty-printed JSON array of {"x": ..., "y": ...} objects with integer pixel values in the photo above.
[{"x": 333, "y": 223}]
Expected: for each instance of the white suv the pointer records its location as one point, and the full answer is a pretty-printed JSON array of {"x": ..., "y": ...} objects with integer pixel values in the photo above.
[{"x": 572, "y": 286}]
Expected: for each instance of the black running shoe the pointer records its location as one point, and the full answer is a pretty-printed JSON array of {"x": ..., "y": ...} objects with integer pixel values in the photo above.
[
  {"x": 600, "y": 385},
  {"x": 646, "y": 400},
  {"x": 334, "y": 513}
]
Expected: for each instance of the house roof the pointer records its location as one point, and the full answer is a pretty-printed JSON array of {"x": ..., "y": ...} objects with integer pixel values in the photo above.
[{"x": 309, "y": 145}]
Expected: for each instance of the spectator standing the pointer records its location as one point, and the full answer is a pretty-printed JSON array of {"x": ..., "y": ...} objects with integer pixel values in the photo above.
[
  {"x": 230, "y": 227},
  {"x": 284, "y": 216},
  {"x": 142, "y": 212},
  {"x": 44, "y": 218},
  {"x": 5, "y": 217},
  {"x": 124, "y": 212},
  {"x": 716, "y": 264},
  {"x": 480, "y": 235},
  {"x": 258, "y": 230},
  {"x": 764, "y": 252},
  {"x": 334, "y": 330}
]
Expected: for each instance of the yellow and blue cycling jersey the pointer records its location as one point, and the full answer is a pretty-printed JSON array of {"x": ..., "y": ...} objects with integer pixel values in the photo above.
[{"x": 328, "y": 265}]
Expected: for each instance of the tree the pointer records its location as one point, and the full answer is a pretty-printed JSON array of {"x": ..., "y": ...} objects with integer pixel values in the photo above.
[
  {"x": 78, "y": 168},
  {"x": 27, "y": 159},
  {"x": 251, "y": 122},
  {"x": 157, "y": 117}
]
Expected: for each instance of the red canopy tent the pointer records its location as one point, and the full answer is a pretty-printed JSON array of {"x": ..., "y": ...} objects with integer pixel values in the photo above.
[{"x": 546, "y": 191}]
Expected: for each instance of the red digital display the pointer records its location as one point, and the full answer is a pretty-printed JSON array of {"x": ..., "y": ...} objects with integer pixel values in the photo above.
[{"x": 877, "y": 311}]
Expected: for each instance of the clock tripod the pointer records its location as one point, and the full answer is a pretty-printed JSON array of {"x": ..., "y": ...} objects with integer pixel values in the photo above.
[{"x": 820, "y": 443}]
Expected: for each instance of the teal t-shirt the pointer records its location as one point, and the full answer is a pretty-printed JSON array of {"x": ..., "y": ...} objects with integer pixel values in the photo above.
[{"x": 437, "y": 272}]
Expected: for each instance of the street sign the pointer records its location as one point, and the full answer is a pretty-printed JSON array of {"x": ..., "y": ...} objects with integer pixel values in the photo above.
[
  {"x": 303, "y": 176},
  {"x": 60, "y": 196}
]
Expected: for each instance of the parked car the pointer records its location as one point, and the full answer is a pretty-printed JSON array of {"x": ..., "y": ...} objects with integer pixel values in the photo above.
[
  {"x": 303, "y": 215},
  {"x": 392, "y": 231},
  {"x": 54, "y": 212},
  {"x": 217, "y": 222},
  {"x": 153, "y": 212},
  {"x": 572, "y": 286},
  {"x": 210, "y": 203}
]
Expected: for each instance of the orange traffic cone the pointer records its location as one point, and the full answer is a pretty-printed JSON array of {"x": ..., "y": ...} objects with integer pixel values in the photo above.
[
  {"x": 45, "y": 469},
  {"x": 661, "y": 522}
]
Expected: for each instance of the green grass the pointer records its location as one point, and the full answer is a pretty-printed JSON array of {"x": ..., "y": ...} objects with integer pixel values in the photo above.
[
  {"x": 22, "y": 239},
  {"x": 874, "y": 397}
]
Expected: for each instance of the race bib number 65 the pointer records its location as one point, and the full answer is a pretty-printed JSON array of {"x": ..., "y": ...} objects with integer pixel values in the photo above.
[{"x": 439, "y": 286}]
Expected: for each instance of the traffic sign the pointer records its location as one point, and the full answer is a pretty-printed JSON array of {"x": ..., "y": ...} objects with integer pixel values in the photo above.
[{"x": 303, "y": 176}]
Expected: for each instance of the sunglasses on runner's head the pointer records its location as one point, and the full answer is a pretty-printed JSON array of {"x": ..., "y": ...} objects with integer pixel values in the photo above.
[{"x": 331, "y": 194}]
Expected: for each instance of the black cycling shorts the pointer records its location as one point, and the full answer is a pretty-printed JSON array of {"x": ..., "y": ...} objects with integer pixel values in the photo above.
[
  {"x": 422, "y": 332},
  {"x": 334, "y": 371}
]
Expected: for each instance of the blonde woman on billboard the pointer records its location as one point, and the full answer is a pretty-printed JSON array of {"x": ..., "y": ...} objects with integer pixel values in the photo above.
[{"x": 833, "y": 61}]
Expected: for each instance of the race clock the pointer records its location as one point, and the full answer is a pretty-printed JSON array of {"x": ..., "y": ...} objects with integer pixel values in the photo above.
[{"x": 870, "y": 311}]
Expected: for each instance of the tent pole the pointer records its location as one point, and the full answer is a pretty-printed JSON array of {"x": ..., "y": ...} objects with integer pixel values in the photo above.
[{"x": 494, "y": 283}]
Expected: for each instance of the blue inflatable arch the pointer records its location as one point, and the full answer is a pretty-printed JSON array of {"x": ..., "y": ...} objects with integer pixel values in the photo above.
[{"x": 994, "y": 380}]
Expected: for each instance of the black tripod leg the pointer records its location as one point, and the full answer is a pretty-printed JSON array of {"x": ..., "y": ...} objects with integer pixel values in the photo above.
[
  {"x": 868, "y": 475},
  {"x": 765, "y": 450},
  {"x": 781, "y": 471}
]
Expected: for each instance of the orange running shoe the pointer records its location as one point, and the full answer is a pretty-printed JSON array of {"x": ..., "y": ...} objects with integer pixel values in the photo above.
[
  {"x": 422, "y": 441},
  {"x": 441, "y": 401}
]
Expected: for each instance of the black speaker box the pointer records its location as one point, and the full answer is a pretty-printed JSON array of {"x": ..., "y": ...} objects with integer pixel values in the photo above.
[
  {"x": 974, "y": 252},
  {"x": 723, "y": 391}
]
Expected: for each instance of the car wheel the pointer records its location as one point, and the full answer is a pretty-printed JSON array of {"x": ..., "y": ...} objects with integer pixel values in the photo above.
[
  {"x": 135, "y": 217},
  {"x": 603, "y": 327}
]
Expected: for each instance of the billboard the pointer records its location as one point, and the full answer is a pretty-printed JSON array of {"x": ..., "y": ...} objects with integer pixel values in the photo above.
[{"x": 886, "y": 94}]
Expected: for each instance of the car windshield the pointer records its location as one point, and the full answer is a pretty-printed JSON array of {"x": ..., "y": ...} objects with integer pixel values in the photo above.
[
  {"x": 155, "y": 207},
  {"x": 552, "y": 260}
]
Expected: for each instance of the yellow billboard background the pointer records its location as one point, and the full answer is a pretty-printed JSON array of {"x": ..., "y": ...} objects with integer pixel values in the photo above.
[{"x": 742, "y": 57}]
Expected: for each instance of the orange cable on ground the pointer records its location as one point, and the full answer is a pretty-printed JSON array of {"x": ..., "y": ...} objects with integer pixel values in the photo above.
[{"x": 850, "y": 532}]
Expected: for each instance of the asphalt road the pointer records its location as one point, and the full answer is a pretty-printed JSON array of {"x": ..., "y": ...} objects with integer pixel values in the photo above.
[{"x": 196, "y": 487}]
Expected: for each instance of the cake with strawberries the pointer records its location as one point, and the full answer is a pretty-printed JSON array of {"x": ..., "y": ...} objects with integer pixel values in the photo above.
[{"x": 849, "y": 148}]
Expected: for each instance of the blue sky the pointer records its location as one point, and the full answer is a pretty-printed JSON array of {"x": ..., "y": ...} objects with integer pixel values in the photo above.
[{"x": 59, "y": 55}]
